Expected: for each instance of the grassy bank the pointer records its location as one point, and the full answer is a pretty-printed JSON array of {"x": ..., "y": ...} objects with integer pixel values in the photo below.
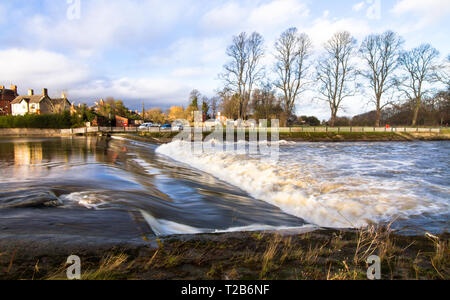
[
  {"x": 326, "y": 136},
  {"x": 324, "y": 255}
]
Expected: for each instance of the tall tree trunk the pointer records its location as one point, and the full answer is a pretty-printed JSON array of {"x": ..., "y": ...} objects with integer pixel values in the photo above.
[
  {"x": 240, "y": 109},
  {"x": 377, "y": 122},
  {"x": 416, "y": 112},
  {"x": 333, "y": 119}
]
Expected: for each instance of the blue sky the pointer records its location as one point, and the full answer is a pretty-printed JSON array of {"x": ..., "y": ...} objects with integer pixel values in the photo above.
[{"x": 157, "y": 51}]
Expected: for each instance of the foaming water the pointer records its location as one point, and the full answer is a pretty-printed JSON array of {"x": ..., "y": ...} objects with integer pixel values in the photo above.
[
  {"x": 336, "y": 185},
  {"x": 163, "y": 227}
]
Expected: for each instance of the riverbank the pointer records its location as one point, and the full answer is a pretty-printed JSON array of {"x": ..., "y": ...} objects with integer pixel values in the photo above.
[
  {"x": 162, "y": 138},
  {"x": 319, "y": 255},
  {"x": 310, "y": 135}
]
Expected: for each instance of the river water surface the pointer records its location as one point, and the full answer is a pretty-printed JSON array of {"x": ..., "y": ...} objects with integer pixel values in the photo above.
[{"x": 338, "y": 185}]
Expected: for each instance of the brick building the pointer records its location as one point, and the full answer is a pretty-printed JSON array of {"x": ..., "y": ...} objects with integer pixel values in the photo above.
[{"x": 6, "y": 97}]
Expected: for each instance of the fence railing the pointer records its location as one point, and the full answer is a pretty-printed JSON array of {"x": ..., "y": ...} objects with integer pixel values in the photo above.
[{"x": 281, "y": 130}]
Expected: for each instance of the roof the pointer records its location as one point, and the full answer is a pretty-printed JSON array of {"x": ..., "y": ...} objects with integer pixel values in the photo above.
[
  {"x": 7, "y": 92},
  {"x": 122, "y": 118},
  {"x": 60, "y": 101},
  {"x": 29, "y": 99},
  {"x": 38, "y": 98}
]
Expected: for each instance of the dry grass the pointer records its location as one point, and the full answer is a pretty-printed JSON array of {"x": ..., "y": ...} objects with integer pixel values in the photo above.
[
  {"x": 268, "y": 258},
  {"x": 324, "y": 255},
  {"x": 441, "y": 255},
  {"x": 110, "y": 268}
]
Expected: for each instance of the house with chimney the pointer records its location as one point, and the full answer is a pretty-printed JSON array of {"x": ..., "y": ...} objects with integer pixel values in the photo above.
[
  {"x": 39, "y": 104},
  {"x": 6, "y": 97}
]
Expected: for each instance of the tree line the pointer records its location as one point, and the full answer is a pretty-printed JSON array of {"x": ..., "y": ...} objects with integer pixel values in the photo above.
[
  {"x": 401, "y": 86},
  {"x": 393, "y": 79}
]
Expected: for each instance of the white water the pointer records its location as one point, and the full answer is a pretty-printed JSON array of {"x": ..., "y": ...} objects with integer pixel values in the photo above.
[
  {"x": 165, "y": 228},
  {"x": 316, "y": 187}
]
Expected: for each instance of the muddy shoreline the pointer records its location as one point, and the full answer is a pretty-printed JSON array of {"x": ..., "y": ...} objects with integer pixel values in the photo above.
[
  {"x": 322, "y": 254},
  {"x": 120, "y": 245}
]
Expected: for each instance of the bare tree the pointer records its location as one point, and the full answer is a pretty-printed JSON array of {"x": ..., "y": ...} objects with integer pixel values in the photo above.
[
  {"x": 229, "y": 103},
  {"x": 443, "y": 72},
  {"x": 265, "y": 103},
  {"x": 335, "y": 72},
  {"x": 243, "y": 71},
  {"x": 419, "y": 65},
  {"x": 292, "y": 50},
  {"x": 214, "y": 104},
  {"x": 381, "y": 52},
  {"x": 194, "y": 98},
  {"x": 255, "y": 72}
]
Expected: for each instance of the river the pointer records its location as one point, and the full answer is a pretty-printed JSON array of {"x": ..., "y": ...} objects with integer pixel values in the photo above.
[{"x": 337, "y": 185}]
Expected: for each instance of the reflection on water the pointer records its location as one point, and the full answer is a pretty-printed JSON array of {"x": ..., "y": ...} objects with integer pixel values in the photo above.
[
  {"x": 325, "y": 184},
  {"x": 103, "y": 174},
  {"x": 27, "y": 154}
]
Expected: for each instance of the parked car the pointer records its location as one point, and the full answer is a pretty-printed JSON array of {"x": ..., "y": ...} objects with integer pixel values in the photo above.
[
  {"x": 212, "y": 123},
  {"x": 177, "y": 127},
  {"x": 146, "y": 125},
  {"x": 166, "y": 126}
]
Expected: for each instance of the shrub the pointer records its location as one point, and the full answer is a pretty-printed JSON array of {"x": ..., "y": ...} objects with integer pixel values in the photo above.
[{"x": 50, "y": 121}]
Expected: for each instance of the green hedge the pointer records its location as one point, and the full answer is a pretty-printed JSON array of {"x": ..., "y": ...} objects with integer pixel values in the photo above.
[{"x": 53, "y": 121}]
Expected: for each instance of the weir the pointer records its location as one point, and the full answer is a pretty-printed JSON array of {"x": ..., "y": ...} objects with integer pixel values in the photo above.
[{"x": 112, "y": 130}]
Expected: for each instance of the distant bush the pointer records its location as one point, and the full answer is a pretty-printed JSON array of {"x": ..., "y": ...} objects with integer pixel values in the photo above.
[
  {"x": 51, "y": 121},
  {"x": 309, "y": 121}
]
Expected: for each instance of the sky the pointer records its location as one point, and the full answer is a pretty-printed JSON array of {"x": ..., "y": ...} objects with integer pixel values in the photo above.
[{"x": 157, "y": 51}]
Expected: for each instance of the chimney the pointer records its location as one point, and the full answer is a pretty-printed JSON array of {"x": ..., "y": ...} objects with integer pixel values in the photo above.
[
  {"x": 14, "y": 88},
  {"x": 30, "y": 92},
  {"x": 44, "y": 92},
  {"x": 63, "y": 95}
]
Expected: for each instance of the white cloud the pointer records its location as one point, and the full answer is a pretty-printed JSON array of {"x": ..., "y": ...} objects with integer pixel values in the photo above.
[
  {"x": 190, "y": 51},
  {"x": 190, "y": 72},
  {"x": 104, "y": 24},
  {"x": 278, "y": 12},
  {"x": 223, "y": 18},
  {"x": 154, "y": 91},
  {"x": 40, "y": 69},
  {"x": 429, "y": 11},
  {"x": 323, "y": 28},
  {"x": 272, "y": 16},
  {"x": 358, "y": 6}
]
